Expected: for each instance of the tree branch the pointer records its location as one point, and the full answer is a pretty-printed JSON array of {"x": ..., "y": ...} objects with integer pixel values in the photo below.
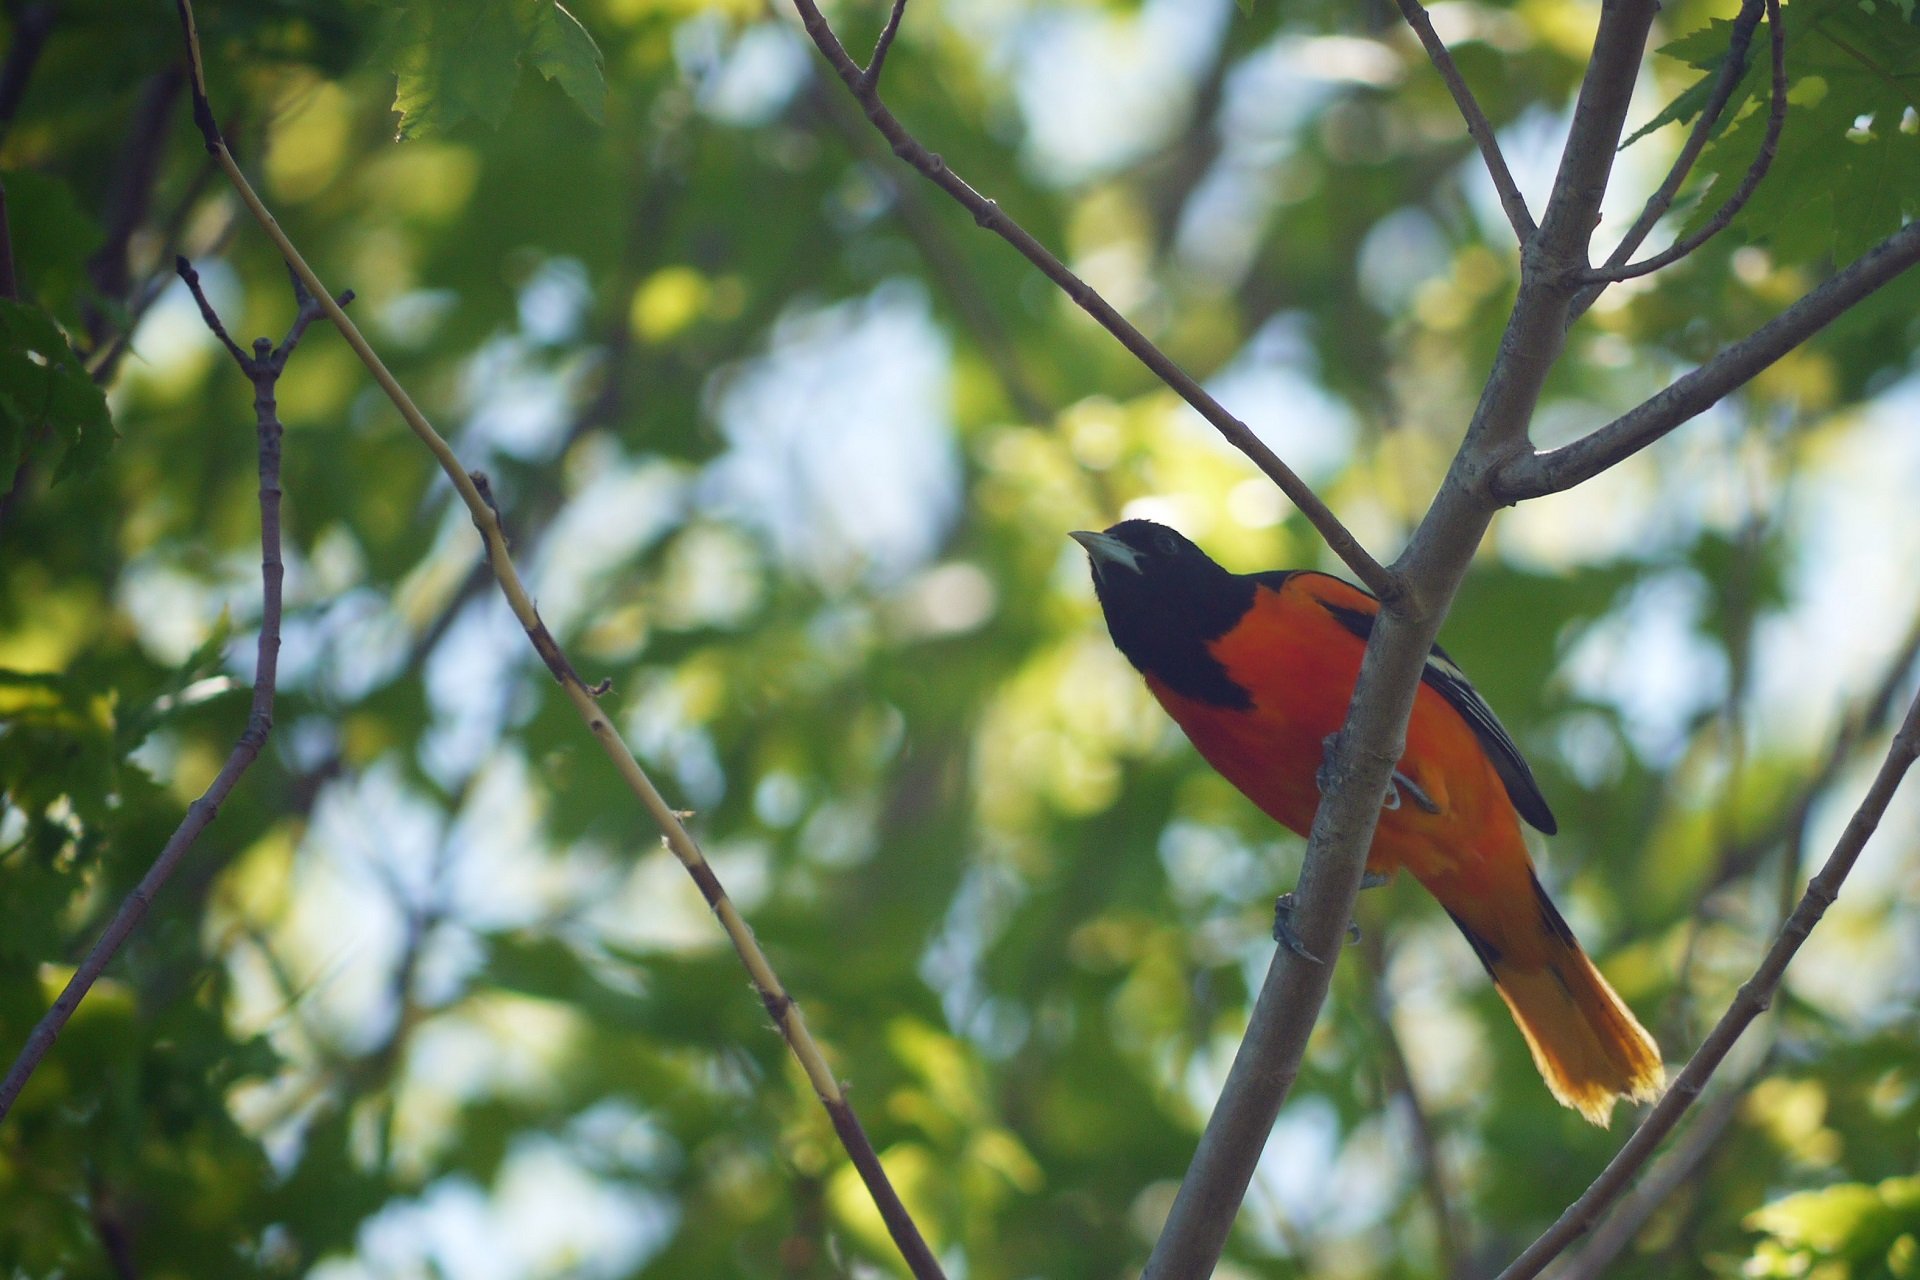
[
  {"x": 136, "y": 171},
  {"x": 1533, "y": 475},
  {"x": 1753, "y": 999},
  {"x": 1617, "y": 267},
  {"x": 476, "y": 494},
  {"x": 1478, "y": 127},
  {"x": 989, "y": 215},
  {"x": 1370, "y": 744},
  {"x": 1674, "y": 1170},
  {"x": 1662, "y": 199},
  {"x": 262, "y": 369},
  {"x": 1599, "y": 115},
  {"x": 870, "y": 78}
]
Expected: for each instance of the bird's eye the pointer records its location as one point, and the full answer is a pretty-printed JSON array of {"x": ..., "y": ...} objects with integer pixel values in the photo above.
[{"x": 1165, "y": 544}]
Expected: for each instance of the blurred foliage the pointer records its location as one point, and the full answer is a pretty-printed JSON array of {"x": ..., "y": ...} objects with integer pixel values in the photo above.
[
  {"x": 789, "y": 450},
  {"x": 1852, "y": 1229}
]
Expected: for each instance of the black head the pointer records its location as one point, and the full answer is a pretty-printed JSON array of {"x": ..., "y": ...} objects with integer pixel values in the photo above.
[{"x": 1164, "y": 601}]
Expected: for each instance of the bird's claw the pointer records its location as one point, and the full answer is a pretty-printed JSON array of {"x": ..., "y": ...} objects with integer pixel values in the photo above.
[
  {"x": 1401, "y": 782},
  {"x": 1398, "y": 785},
  {"x": 1283, "y": 931},
  {"x": 1323, "y": 776}
]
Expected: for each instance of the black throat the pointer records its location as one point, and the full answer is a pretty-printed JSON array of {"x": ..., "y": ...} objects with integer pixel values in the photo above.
[{"x": 1163, "y": 619}]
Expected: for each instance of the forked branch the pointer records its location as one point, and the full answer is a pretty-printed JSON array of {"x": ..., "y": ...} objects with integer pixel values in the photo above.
[
  {"x": 263, "y": 368},
  {"x": 988, "y": 214},
  {"x": 1534, "y": 474},
  {"x": 1617, "y": 267}
]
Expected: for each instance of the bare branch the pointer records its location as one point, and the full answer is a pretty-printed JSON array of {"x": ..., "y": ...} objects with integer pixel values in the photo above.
[
  {"x": 1478, "y": 127},
  {"x": 1753, "y": 999},
  {"x": 1599, "y": 115},
  {"x": 989, "y": 215},
  {"x": 1268, "y": 1059},
  {"x": 780, "y": 1006},
  {"x": 1532, "y": 475},
  {"x": 870, "y": 78},
  {"x": 1617, "y": 268},
  {"x": 207, "y": 313},
  {"x": 1673, "y": 1171},
  {"x": 136, "y": 173},
  {"x": 263, "y": 370},
  {"x": 1662, "y": 199}
]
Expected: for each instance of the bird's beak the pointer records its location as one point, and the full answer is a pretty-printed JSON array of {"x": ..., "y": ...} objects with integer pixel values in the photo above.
[{"x": 1105, "y": 549}]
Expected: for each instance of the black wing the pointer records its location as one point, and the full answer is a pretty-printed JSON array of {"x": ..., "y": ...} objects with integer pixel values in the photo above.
[{"x": 1444, "y": 676}]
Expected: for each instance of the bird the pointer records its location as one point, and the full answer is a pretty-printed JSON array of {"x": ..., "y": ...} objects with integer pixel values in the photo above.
[{"x": 1258, "y": 669}]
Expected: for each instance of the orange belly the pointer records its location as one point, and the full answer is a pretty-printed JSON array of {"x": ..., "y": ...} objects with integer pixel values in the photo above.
[{"x": 1301, "y": 679}]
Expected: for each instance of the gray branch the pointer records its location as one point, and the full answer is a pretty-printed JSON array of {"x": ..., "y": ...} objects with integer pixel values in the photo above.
[{"x": 1531, "y": 475}]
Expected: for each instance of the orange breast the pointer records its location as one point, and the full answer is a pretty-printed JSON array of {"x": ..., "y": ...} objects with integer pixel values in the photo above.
[{"x": 1299, "y": 665}]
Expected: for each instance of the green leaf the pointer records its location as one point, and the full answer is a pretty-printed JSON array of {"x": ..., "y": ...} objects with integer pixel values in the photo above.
[
  {"x": 1680, "y": 110},
  {"x": 460, "y": 59},
  {"x": 564, "y": 53},
  {"x": 1858, "y": 1225},
  {"x": 1875, "y": 182},
  {"x": 1706, "y": 48},
  {"x": 455, "y": 60},
  {"x": 47, "y": 396},
  {"x": 53, "y": 236}
]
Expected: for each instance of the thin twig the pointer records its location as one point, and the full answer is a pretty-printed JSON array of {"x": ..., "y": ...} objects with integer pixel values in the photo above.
[
  {"x": 870, "y": 78},
  {"x": 1674, "y": 1170},
  {"x": 1731, "y": 70},
  {"x": 1617, "y": 268},
  {"x": 988, "y": 214},
  {"x": 1531, "y": 475},
  {"x": 104, "y": 360},
  {"x": 1478, "y": 127},
  {"x": 262, "y": 369},
  {"x": 473, "y": 491},
  {"x": 1753, "y": 999}
]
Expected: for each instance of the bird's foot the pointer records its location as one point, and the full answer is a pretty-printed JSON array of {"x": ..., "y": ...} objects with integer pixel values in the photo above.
[
  {"x": 1323, "y": 776},
  {"x": 1402, "y": 783},
  {"x": 1398, "y": 785},
  {"x": 1283, "y": 931}
]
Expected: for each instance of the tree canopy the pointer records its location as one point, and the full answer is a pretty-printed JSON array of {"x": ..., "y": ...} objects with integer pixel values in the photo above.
[{"x": 786, "y": 449}]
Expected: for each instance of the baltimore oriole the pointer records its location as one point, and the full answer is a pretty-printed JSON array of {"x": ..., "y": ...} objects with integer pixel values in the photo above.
[{"x": 1258, "y": 670}]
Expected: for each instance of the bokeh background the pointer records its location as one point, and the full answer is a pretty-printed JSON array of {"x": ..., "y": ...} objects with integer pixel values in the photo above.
[{"x": 789, "y": 450}]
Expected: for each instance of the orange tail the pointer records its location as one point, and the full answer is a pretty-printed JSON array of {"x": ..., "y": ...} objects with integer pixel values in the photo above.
[{"x": 1588, "y": 1045}]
